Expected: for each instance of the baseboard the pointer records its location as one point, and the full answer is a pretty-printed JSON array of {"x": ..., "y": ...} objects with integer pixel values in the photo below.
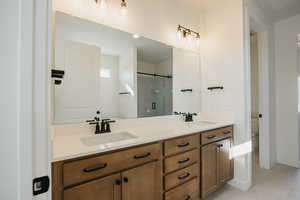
[{"x": 241, "y": 185}]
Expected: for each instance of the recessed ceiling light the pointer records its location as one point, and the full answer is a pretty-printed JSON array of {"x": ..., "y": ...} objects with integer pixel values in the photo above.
[{"x": 135, "y": 36}]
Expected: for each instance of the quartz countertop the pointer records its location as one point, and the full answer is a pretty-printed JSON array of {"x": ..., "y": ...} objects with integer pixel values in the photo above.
[{"x": 69, "y": 145}]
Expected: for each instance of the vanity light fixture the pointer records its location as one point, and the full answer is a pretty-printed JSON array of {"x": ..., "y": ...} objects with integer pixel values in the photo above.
[
  {"x": 102, "y": 3},
  {"x": 188, "y": 34},
  {"x": 123, "y": 7}
]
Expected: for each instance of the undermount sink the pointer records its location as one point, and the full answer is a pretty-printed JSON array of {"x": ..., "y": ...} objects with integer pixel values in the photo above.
[{"x": 108, "y": 139}]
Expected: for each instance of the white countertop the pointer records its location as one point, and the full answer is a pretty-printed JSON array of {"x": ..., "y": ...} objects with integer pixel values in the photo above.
[{"x": 69, "y": 145}]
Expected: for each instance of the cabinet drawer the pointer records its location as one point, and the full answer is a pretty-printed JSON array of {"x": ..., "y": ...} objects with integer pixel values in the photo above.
[
  {"x": 215, "y": 135},
  {"x": 181, "y": 176},
  {"x": 187, "y": 191},
  {"x": 181, "y": 144},
  {"x": 180, "y": 161},
  {"x": 90, "y": 168}
]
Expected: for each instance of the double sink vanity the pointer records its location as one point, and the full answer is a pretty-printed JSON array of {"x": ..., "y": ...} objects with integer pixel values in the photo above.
[
  {"x": 148, "y": 153},
  {"x": 188, "y": 163}
]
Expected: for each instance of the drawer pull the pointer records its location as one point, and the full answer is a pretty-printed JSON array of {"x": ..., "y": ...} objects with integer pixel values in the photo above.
[
  {"x": 183, "y": 145},
  {"x": 188, "y": 197},
  {"x": 142, "y": 155},
  {"x": 184, "y": 176},
  {"x": 211, "y": 137},
  {"x": 183, "y": 161},
  {"x": 226, "y": 132},
  {"x": 101, "y": 166}
]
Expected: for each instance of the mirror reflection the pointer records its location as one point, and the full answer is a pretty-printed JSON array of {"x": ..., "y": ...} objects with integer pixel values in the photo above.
[{"x": 120, "y": 74}]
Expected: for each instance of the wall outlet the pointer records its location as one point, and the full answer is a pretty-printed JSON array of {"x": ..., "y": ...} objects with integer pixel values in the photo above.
[{"x": 298, "y": 43}]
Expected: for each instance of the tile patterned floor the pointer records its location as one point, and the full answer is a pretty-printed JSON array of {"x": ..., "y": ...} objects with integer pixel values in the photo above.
[{"x": 280, "y": 183}]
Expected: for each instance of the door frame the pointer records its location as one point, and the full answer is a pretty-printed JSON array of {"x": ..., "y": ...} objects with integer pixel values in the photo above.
[
  {"x": 34, "y": 140},
  {"x": 258, "y": 23},
  {"x": 42, "y": 52}
]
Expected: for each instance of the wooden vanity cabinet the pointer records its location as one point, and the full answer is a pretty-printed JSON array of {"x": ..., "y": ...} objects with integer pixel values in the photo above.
[
  {"x": 135, "y": 184},
  {"x": 108, "y": 188},
  {"x": 138, "y": 177},
  {"x": 142, "y": 182},
  {"x": 217, "y": 166},
  {"x": 183, "y": 168}
]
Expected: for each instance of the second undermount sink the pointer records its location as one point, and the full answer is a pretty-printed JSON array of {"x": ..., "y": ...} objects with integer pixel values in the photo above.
[{"x": 108, "y": 139}]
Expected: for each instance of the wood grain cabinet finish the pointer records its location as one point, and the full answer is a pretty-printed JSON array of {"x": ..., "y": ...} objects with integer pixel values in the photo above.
[
  {"x": 216, "y": 135},
  {"x": 180, "y": 161},
  {"x": 188, "y": 168},
  {"x": 142, "y": 183},
  {"x": 182, "y": 144},
  {"x": 174, "y": 179},
  {"x": 75, "y": 172},
  {"x": 225, "y": 163},
  {"x": 217, "y": 166},
  {"x": 187, "y": 191},
  {"x": 209, "y": 169},
  {"x": 105, "y": 189}
]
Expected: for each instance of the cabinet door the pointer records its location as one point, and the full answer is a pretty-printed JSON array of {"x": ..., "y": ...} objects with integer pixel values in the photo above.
[
  {"x": 107, "y": 188},
  {"x": 225, "y": 162},
  {"x": 209, "y": 170},
  {"x": 143, "y": 183}
]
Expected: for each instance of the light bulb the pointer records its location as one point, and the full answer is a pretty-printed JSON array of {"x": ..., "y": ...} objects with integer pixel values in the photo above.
[
  {"x": 123, "y": 9},
  {"x": 189, "y": 36},
  {"x": 198, "y": 39},
  {"x": 179, "y": 33},
  {"x": 103, "y": 4}
]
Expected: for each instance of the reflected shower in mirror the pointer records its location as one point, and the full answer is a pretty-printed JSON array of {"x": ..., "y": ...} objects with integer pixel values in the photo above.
[{"x": 120, "y": 74}]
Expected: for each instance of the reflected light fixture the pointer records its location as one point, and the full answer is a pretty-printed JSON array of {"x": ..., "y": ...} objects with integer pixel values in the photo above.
[
  {"x": 123, "y": 8},
  {"x": 102, "y": 3},
  {"x": 135, "y": 36},
  {"x": 188, "y": 34}
]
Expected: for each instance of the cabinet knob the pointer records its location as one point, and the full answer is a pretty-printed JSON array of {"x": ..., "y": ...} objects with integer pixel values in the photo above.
[
  {"x": 118, "y": 182},
  {"x": 125, "y": 179}
]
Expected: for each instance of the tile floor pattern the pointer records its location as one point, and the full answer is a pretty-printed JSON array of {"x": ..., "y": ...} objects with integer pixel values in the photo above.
[{"x": 280, "y": 183}]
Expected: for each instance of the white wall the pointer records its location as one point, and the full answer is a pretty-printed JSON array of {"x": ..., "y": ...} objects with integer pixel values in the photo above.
[
  {"x": 16, "y": 101},
  {"x": 225, "y": 64},
  {"x": 287, "y": 73},
  {"x": 156, "y": 19},
  {"x": 128, "y": 83},
  {"x": 186, "y": 75},
  {"x": 9, "y": 144},
  {"x": 109, "y": 87}
]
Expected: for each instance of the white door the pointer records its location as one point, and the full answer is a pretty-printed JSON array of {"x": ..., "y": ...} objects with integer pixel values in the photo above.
[
  {"x": 78, "y": 97},
  {"x": 186, "y": 76},
  {"x": 128, "y": 82}
]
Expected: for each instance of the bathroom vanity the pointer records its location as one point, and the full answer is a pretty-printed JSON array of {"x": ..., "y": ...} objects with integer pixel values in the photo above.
[
  {"x": 138, "y": 83},
  {"x": 185, "y": 167}
]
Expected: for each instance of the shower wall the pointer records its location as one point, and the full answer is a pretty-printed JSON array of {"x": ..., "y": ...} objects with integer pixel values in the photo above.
[{"x": 154, "y": 93}]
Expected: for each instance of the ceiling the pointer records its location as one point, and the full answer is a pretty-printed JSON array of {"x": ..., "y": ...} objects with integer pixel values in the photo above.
[
  {"x": 280, "y": 9},
  {"x": 111, "y": 41}
]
